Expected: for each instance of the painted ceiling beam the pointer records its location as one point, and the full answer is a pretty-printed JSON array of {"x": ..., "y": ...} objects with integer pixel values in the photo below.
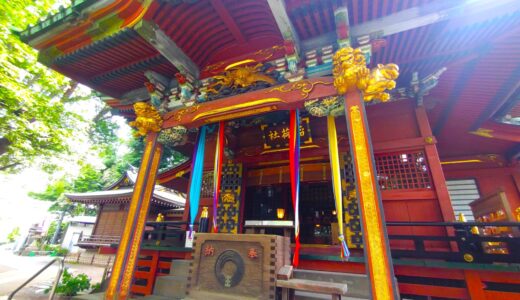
[
  {"x": 284, "y": 22},
  {"x": 137, "y": 95},
  {"x": 162, "y": 43},
  {"x": 435, "y": 12},
  {"x": 509, "y": 93},
  {"x": 228, "y": 21}
]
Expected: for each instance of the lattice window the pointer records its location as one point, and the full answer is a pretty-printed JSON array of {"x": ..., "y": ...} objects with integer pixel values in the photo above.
[
  {"x": 207, "y": 185},
  {"x": 403, "y": 170}
]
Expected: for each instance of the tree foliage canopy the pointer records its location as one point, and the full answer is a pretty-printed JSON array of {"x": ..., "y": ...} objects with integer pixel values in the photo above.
[
  {"x": 37, "y": 122},
  {"x": 34, "y": 121}
]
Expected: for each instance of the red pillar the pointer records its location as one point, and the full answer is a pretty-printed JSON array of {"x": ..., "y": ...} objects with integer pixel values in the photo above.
[
  {"x": 474, "y": 285},
  {"x": 434, "y": 163}
]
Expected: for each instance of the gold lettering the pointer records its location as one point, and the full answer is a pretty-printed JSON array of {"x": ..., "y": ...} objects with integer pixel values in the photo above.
[{"x": 273, "y": 134}]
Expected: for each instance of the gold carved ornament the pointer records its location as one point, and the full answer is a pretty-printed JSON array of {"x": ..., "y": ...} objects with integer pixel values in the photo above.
[
  {"x": 483, "y": 132},
  {"x": 147, "y": 119},
  {"x": 178, "y": 114},
  {"x": 269, "y": 52},
  {"x": 304, "y": 86},
  {"x": 228, "y": 198},
  {"x": 350, "y": 72},
  {"x": 238, "y": 77},
  {"x": 264, "y": 54}
]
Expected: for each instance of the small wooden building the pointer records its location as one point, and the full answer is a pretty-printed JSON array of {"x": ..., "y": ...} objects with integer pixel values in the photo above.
[{"x": 113, "y": 206}]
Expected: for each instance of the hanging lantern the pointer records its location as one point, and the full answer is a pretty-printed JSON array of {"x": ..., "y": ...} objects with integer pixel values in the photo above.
[{"x": 280, "y": 213}]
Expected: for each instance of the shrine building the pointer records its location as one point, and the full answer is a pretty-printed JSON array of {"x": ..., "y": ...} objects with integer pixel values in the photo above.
[{"x": 342, "y": 148}]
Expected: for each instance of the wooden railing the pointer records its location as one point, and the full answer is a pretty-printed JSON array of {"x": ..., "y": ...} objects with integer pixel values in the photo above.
[
  {"x": 470, "y": 245},
  {"x": 165, "y": 234},
  {"x": 465, "y": 245},
  {"x": 88, "y": 258},
  {"x": 98, "y": 240}
]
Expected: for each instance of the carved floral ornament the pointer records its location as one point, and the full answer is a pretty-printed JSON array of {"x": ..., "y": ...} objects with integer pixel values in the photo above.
[
  {"x": 332, "y": 105},
  {"x": 174, "y": 136}
]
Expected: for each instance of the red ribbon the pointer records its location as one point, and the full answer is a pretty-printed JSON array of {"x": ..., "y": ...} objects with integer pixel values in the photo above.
[{"x": 294, "y": 164}]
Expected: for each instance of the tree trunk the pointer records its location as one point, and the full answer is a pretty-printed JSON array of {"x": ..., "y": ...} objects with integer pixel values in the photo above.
[
  {"x": 4, "y": 144},
  {"x": 66, "y": 96},
  {"x": 58, "y": 228}
]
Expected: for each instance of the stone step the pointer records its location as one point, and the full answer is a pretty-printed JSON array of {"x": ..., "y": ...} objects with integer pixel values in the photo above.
[
  {"x": 358, "y": 285},
  {"x": 180, "y": 267},
  {"x": 96, "y": 296},
  {"x": 155, "y": 297},
  {"x": 170, "y": 286},
  {"x": 299, "y": 295}
]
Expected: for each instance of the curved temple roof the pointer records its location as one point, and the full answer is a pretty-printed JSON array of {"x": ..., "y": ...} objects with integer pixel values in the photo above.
[
  {"x": 161, "y": 196},
  {"x": 109, "y": 44}
]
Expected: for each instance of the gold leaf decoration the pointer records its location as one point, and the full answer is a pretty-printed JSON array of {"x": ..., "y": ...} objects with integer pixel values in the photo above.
[
  {"x": 148, "y": 119},
  {"x": 350, "y": 72},
  {"x": 304, "y": 86}
]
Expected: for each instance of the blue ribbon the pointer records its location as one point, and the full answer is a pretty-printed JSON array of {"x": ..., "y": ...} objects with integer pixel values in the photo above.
[{"x": 197, "y": 169}]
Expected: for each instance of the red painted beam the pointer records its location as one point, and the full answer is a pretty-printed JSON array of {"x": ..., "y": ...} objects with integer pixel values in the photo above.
[
  {"x": 281, "y": 97},
  {"x": 435, "y": 291},
  {"x": 228, "y": 20}
]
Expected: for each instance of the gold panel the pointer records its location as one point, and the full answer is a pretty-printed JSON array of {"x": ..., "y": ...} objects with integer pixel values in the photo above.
[
  {"x": 373, "y": 233},
  {"x": 231, "y": 108}
]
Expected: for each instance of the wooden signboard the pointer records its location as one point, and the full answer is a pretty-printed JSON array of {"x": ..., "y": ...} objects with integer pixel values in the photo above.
[
  {"x": 243, "y": 266},
  {"x": 276, "y": 135}
]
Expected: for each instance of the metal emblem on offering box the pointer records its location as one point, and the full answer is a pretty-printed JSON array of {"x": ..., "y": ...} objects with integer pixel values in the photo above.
[{"x": 236, "y": 266}]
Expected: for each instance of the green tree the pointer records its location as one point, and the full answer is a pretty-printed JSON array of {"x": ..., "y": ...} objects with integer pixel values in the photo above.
[
  {"x": 13, "y": 235},
  {"x": 170, "y": 157},
  {"x": 88, "y": 180},
  {"x": 34, "y": 119},
  {"x": 71, "y": 285},
  {"x": 53, "y": 233}
]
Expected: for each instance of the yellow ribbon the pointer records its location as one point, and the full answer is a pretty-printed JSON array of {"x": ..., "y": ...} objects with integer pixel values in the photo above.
[{"x": 336, "y": 180}]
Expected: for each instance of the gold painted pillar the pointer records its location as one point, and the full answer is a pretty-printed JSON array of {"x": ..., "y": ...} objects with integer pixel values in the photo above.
[
  {"x": 359, "y": 85},
  {"x": 377, "y": 250},
  {"x": 130, "y": 243}
]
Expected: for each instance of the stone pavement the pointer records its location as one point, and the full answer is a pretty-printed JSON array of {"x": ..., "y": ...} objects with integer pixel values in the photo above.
[{"x": 14, "y": 270}]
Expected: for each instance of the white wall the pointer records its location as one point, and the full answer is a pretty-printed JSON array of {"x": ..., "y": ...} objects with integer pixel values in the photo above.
[{"x": 72, "y": 235}]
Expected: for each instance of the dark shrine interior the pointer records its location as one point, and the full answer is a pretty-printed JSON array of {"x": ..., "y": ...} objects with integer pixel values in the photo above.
[{"x": 317, "y": 210}]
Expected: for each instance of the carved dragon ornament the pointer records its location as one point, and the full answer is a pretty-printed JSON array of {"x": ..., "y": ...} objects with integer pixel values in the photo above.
[
  {"x": 350, "y": 72},
  {"x": 148, "y": 119}
]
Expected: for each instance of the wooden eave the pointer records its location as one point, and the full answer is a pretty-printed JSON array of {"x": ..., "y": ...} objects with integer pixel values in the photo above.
[
  {"x": 119, "y": 197},
  {"x": 480, "y": 50}
]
